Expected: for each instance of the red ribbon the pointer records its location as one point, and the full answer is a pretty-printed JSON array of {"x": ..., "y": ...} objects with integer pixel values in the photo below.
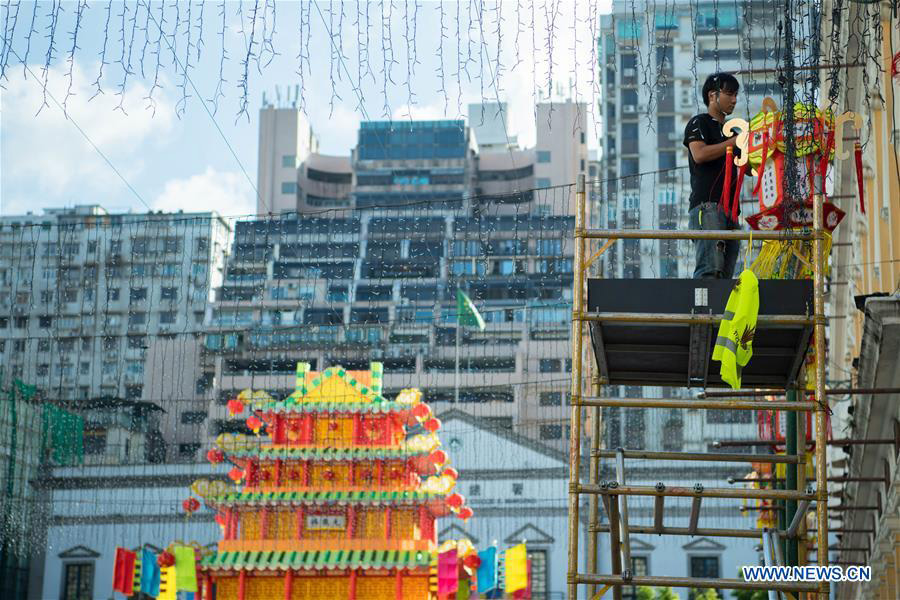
[
  {"x": 729, "y": 162},
  {"x": 762, "y": 164},
  {"x": 859, "y": 177},
  {"x": 736, "y": 203}
]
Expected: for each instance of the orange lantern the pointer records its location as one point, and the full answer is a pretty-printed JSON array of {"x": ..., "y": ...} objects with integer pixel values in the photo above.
[
  {"x": 235, "y": 407},
  {"x": 421, "y": 411},
  {"x": 438, "y": 457},
  {"x": 215, "y": 456},
  {"x": 472, "y": 561},
  {"x": 236, "y": 474},
  {"x": 432, "y": 424},
  {"x": 465, "y": 513},
  {"x": 451, "y": 472},
  {"x": 254, "y": 423},
  {"x": 455, "y": 500},
  {"x": 190, "y": 505}
]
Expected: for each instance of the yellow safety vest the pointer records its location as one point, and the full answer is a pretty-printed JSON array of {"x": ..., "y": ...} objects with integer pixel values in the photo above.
[{"x": 734, "y": 343}]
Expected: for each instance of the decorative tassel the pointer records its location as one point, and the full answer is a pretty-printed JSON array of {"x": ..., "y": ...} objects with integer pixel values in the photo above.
[
  {"x": 736, "y": 203},
  {"x": 760, "y": 168},
  {"x": 859, "y": 177},
  {"x": 729, "y": 162}
]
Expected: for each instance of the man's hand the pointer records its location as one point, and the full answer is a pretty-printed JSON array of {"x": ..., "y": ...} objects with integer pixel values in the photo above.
[{"x": 703, "y": 152}]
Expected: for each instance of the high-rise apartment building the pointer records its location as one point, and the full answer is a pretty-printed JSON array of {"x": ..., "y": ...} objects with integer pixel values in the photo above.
[
  {"x": 366, "y": 263},
  {"x": 86, "y": 295}
]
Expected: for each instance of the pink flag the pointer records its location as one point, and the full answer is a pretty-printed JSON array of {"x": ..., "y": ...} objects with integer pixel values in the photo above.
[{"x": 448, "y": 572}]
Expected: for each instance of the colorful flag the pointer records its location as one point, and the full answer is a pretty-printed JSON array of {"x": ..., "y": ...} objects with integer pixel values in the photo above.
[
  {"x": 487, "y": 570},
  {"x": 167, "y": 584},
  {"x": 516, "y": 569},
  {"x": 185, "y": 569},
  {"x": 466, "y": 313},
  {"x": 524, "y": 593},
  {"x": 123, "y": 571},
  {"x": 149, "y": 573},
  {"x": 448, "y": 572}
]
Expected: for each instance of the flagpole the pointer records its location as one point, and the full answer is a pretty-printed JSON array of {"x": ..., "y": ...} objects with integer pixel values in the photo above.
[{"x": 456, "y": 377}]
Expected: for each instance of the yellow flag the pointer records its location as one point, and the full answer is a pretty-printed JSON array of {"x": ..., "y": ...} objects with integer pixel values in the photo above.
[
  {"x": 167, "y": 583},
  {"x": 186, "y": 574},
  {"x": 516, "y": 569}
]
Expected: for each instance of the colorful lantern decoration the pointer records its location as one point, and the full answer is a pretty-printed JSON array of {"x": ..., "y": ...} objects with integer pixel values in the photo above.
[
  {"x": 432, "y": 424},
  {"x": 190, "y": 505},
  {"x": 254, "y": 423},
  {"x": 220, "y": 520},
  {"x": 438, "y": 457},
  {"x": 235, "y": 407},
  {"x": 215, "y": 456},
  {"x": 472, "y": 561},
  {"x": 450, "y": 472},
  {"x": 165, "y": 559},
  {"x": 421, "y": 411},
  {"x": 465, "y": 513},
  {"x": 236, "y": 474},
  {"x": 455, "y": 500}
]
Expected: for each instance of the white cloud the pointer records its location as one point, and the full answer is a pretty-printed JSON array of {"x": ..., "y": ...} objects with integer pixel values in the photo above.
[
  {"x": 44, "y": 153},
  {"x": 228, "y": 193}
]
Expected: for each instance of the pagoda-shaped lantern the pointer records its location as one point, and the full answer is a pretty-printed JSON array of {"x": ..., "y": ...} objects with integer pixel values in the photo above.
[{"x": 340, "y": 492}]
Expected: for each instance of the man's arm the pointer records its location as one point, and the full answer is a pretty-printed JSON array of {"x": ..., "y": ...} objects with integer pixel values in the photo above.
[{"x": 703, "y": 152}]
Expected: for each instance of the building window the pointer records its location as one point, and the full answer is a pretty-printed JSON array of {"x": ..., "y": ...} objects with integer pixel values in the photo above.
[
  {"x": 638, "y": 567},
  {"x": 551, "y": 399},
  {"x": 543, "y": 156},
  {"x": 112, "y": 294},
  {"x": 550, "y": 365},
  {"x": 518, "y": 489},
  {"x": 138, "y": 294},
  {"x": 289, "y": 161},
  {"x": 551, "y": 432},
  {"x": 79, "y": 581},
  {"x": 168, "y": 293},
  {"x": 538, "y": 560},
  {"x": 705, "y": 566},
  {"x": 167, "y": 317},
  {"x": 288, "y": 187},
  {"x": 542, "y": 182}
]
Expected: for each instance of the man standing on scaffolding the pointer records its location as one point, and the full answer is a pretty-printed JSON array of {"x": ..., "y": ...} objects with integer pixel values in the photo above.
[{"x": 707, "y": 147}]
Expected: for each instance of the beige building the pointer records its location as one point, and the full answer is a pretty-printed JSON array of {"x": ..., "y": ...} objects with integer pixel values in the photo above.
[{"x": 864, "y": 332}]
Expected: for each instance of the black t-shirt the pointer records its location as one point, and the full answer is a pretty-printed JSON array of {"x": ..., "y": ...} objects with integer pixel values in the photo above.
[{"x": 707, "y": 178}]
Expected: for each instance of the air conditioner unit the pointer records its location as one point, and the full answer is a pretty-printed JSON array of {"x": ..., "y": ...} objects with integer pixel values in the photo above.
[
  {"x": 629, "y": 72},
  {"x": 629, "y": 109}
]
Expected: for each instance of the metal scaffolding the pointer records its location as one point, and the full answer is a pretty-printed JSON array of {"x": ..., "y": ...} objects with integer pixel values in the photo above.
[{"x": 613, "y": 494}]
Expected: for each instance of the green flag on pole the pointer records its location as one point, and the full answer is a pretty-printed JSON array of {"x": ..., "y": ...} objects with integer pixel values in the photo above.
[{"x": 466, "y": 313}]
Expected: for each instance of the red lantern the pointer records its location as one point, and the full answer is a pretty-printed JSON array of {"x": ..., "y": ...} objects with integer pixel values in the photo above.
[
  {"x": 438, "y": 457},
  {"x": 254, "y": 423},
  {"x": 421, "y": 411},
  {"x": 215, "y": 456},
  {"x": 220, "y": 520},
  {"x": 455, "y": 500},
  {"x": 190, "y": 505},
  {"x": 432, "y": 424},
  {"x": 450, "y": 471},
  {"x": 235, "y": 407},
  {"x": 465, "y": 513},
  {"x": 472, "y": 561},
  {"x": 236, "y": 474},
  {"x": 165, "y": 559}
]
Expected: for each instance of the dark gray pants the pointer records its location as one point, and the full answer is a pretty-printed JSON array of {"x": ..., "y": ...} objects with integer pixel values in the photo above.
[{"x": 715, "y": 259}]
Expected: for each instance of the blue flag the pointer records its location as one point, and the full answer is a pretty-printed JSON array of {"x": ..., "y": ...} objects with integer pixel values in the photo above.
[
  {"x": 487, "y": 570},
  {"x": 149, "y": 573}
]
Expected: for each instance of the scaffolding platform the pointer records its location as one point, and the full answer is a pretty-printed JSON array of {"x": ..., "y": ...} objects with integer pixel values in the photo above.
[{"x": 662, "y": 331}]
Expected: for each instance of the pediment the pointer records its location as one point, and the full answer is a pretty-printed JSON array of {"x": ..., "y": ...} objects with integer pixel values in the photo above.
[
  {"x": 79, "y": 552},
  {"x": 455, "y": 532},
  {"x": 703, "y": 544},
  {"x": 531, "y": 534}
]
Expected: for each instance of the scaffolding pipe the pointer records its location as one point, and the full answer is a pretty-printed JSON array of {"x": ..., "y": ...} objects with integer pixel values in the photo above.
[
  {"x": 693, "y": 582},
  {"x": 687, "y": 318},
  {"x": 593, "y": 508},
  {"x": 799, "y": 515},
  {"x": 768, "y": 558},
  {"x": 831, "y": 392},
  {"x": 738, "y": 533},
  {"x": 575, "y": 436},
  {"x": 783, "y": 235},
  {"x": 704, "y": 456},
  {"x": 623, "y": 508},
  {"x": 791, "y": 480},
  {"x": 611, "y": 489},
  {"x": 694, "y": 404},
  {"x": 821, "y": 399}
]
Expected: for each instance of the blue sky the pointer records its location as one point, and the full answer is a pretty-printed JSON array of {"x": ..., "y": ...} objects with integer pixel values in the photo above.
[{"x": 173, "y": 156}]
